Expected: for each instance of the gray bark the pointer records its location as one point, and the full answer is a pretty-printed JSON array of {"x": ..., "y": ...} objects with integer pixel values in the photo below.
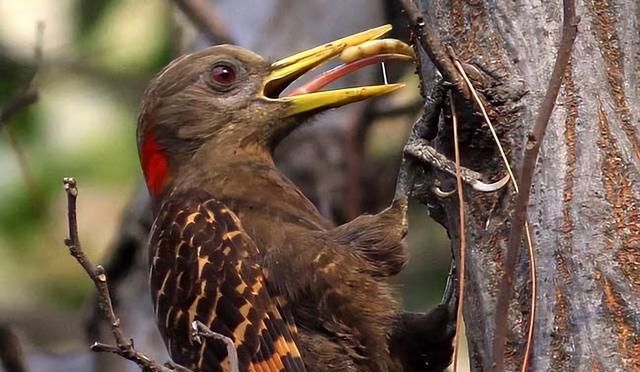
[{"x": 585, "y": 204}]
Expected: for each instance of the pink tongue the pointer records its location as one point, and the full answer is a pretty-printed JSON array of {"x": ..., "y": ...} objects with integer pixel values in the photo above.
[{"x": 336, "y": 73}]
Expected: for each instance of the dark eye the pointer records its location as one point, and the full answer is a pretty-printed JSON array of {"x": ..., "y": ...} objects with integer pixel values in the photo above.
[{"x": 223, "y": 74}]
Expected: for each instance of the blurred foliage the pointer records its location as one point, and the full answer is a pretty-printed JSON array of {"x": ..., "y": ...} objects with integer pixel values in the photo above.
[
  {"x": 15, "y": 74},
  {"x": 83, "y": 125},
  {"x": 88, "y": 12}
]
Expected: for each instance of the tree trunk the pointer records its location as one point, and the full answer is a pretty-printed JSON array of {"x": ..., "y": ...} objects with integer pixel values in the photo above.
[{"x": 584, "y": 210}]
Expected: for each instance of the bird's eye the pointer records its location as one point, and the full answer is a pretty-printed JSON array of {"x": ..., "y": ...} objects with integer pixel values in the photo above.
[{"x": 223, "y": 74}]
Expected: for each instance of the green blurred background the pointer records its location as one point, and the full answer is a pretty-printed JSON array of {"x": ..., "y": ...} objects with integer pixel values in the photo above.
[{"x": 98, "y": 57}]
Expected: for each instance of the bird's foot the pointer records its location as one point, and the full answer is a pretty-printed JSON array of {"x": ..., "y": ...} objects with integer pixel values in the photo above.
[
  {"x": 423, "y": 342},
  {"x": 420, "y": 150},
  {"x": 426, "y": 124}
]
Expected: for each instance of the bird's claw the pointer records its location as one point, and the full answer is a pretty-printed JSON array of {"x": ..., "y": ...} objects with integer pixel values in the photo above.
[
  {"x": 476, "y": 185},
  {"x": 490, "y": 187},
  {"x": 420, "y": 150},
  {"x": 442, "y": 194}
]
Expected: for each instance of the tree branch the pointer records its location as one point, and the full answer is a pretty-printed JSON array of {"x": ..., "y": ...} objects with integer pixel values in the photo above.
[
  {"x": 201, "y": 330},
  {"x": 569, "y": 33},
  {"x": 433, "y": 46},
  {"x": 124, "y": 346}
]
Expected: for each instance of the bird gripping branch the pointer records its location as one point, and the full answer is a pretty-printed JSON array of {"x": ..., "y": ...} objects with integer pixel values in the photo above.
[{"x": 236, "y": 246}]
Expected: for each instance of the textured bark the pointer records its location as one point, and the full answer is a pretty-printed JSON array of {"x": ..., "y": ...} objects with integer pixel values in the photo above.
[{"x": 585, "y": 203}]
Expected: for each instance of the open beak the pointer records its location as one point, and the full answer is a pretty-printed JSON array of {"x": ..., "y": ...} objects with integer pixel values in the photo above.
[{"x": 308, "y": 98}]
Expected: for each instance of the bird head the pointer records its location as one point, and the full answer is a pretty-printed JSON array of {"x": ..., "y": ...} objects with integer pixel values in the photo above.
[{"x": 229, "y": 99}]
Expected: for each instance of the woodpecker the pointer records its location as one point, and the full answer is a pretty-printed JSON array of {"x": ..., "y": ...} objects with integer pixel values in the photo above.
[{"x": 236, "y": 246}]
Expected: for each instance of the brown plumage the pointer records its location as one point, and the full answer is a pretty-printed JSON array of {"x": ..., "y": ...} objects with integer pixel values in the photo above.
[{"x": 237, "y": 246}]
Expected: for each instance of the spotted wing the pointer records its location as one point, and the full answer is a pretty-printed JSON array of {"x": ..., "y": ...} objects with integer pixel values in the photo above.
[{"x": 204, "y": 267}]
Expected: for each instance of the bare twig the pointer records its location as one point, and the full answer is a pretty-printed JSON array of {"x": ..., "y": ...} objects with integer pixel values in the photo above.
[
  {"x": 486, "y": 119},
  {"x": 201, "y": 330},
  {"x": 433, "y": 46},
  {"x": 531, "y": 252},
  {"x": 534, "y": 296},
  {"x": 463, "y": 239},
  {"x": 569, "y": 33},
  {"x": 205, "y": 19},
  {"x": 124, "y": 346}
]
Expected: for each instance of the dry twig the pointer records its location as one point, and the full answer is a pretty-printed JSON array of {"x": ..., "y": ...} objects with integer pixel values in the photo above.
[
  {"x": 569, "y": 32},
  {"x": 201, "y": 330},
  {"x": 478, "y": 101},
  {"x": 433, "y": 46},
  {"x": 534, "y": 298},
  {"x": 532, "y": 261},
  {"x": 124, "y": 346},
  {"x": 463, "y": 239}
]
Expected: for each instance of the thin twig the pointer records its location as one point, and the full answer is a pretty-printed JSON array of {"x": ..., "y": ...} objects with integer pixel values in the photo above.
[
  {"x": 534, "y": 296},
  {"x": 201, "y": 330},
  {"x": 474, "y": 93},
  {"x": 205, "y": 19},
  {"x": 569, "y": 33},
  {"x": 462, "y": 234},
  {"x": 532, "y": 266},
  {"x": 124, "y": 346},
  {"x": 433, "y": 46}
]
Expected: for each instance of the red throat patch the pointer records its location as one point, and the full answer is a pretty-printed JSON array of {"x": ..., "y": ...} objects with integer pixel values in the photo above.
[{"x": 154, "y": 164}]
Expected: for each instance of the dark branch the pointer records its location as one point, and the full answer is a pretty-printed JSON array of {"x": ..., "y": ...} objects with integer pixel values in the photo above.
[
  {"x": 206, "y": 20},
  {"x": 569, "y": 32},
  {"x": 124, "y": 346},
  {"x": 433, "y": 46}
]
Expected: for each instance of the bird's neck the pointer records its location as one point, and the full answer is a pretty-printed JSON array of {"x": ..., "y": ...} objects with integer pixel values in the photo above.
[{"x": 245, "y": 178}]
